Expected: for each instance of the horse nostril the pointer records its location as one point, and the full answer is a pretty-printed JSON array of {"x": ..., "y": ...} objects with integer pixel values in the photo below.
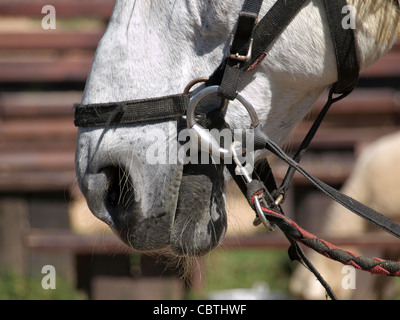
[
  {"x": 120, "y": 192},
  {"x": 113, "y": 189}
]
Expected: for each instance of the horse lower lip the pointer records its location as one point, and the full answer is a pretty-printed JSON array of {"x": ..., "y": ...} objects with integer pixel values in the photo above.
[
  {"x": 200, "y": 219},
  {"x": 191, "y": 215},
  {"x": 194, "y": 195}
]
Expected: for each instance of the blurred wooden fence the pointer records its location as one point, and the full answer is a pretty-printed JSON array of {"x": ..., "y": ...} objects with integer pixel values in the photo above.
[{"x": 43, "y": 72}]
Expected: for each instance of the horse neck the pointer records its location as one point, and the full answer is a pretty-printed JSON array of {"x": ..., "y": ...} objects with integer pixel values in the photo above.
[{"x": 377, "y": 28}]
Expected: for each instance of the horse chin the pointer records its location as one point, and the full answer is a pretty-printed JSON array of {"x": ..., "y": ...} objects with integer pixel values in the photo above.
[{"x": 200, "y": 220}]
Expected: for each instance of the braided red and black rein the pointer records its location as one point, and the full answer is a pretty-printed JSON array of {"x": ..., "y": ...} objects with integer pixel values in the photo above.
[{"x": 293, "y": 231}]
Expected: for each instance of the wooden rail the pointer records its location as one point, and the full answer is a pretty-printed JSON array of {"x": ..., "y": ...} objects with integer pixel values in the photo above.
[
  {"x": 54, "y": 240},
  {"x": 64, "y": 8},
  {"x": 75, "y": 68},
  {"x": 56, "y": 40},
  {"x": 51, "y": 69},
  {"x": 37, "y": 135}
]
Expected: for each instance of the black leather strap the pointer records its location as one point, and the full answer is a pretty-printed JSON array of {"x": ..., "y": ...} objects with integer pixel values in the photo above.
[
  {"x": 240, "y": 48},
  {"x": 353, "y": 205},
  {"x": 286, "y": 182},
  {"x": 345, "y": 47},
  {"x": 272, "y": 25},
  {"x": 266, "y": 31},
  {"x": 127, "y": 112}
]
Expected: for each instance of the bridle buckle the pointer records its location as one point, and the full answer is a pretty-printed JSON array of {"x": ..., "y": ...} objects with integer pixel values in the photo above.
[{"x": 237, "y": 56}]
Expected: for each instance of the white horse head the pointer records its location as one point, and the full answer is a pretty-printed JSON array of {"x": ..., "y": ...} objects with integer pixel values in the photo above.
[{"x": 154, "y": 48}]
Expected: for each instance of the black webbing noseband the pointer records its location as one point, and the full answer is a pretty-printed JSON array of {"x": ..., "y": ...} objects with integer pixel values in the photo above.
[{"x": 249, "y": 44}]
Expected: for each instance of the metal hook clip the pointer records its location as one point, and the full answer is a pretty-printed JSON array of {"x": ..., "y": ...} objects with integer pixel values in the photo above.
[
  {"x": 260, "y": 213},
  {"x": 244, "y": 171}
]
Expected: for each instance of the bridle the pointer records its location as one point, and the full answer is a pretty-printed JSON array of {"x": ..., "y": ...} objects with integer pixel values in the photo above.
[{"x": 248, "y": 46}]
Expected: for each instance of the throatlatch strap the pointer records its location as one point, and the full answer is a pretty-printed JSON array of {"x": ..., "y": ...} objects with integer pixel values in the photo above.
[
  {"x": 126, "y": 112},
  {"x": 286, "y": 182},
  {"x": 344, "y": 44}
]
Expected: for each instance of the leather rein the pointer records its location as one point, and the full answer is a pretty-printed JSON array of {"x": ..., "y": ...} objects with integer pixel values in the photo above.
[{"x": 248, "y": 46}]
